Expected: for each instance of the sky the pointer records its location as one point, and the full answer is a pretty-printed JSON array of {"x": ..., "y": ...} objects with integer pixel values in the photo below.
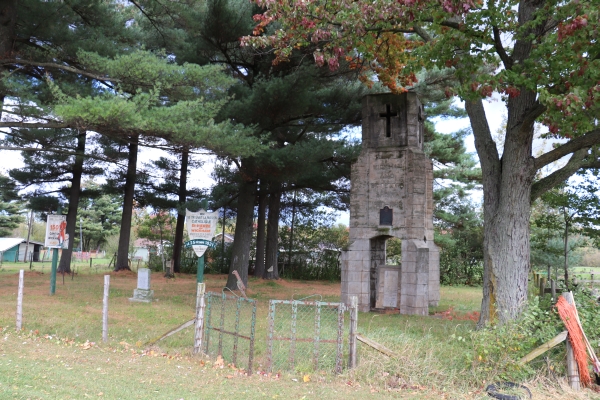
[{"x": 494, "y": 107}]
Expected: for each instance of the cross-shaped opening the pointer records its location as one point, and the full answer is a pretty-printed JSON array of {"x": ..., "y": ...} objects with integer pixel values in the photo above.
[{"x": 387, "y": 115}]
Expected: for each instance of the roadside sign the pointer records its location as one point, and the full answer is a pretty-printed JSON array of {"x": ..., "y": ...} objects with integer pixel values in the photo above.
[
  {"x": 56, "y": 228},
  {"x": 200, "y": 242},
  {"x": 201, "y": 225}
]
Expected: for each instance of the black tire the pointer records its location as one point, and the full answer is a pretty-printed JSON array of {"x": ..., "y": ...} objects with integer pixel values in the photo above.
[{"x": 494, "y": 390}]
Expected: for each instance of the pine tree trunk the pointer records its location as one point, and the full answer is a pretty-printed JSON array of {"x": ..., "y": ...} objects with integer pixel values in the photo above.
[
  {"x": 259, "y": 265},
  {"x": 125, "y": 234},
  {"x": 8, "y": 20},
  {"x": 271, "y": 270},
  {"x": 240, "y": 252},
  {"x": 64, "y": 265},
  {"x": 178, "y": 245}
]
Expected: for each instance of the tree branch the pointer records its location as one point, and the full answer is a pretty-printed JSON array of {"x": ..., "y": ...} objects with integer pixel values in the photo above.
[
  {"x": 448, "y": 23},
  {"x": 576, "y": 162},
  {"x": 35, "y": 125},
  {"x": 422, "y": 33},
  {"x": 491, "y": 166},
  {"x": 587, "y": 140},
  {"x": 58, "y": 66},
  {"x": 151, "y": 19},
  {"x": 506, "y": 59},
  {"x": 530, "y": 117}
]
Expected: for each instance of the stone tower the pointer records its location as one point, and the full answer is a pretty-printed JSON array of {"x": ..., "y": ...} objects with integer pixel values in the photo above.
[{"x": 392, "y": 196}]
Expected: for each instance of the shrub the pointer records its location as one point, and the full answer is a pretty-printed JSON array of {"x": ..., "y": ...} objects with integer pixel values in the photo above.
[{"x": 498, "y": 349}]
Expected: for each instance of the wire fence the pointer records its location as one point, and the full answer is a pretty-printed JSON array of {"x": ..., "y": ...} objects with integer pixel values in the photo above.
[
  {"x": 305, "y": 336},
  {"x": 229, "y": 329}
]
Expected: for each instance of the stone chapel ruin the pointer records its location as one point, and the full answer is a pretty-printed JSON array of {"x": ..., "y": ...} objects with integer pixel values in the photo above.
[{"x": 392, "y": 196}]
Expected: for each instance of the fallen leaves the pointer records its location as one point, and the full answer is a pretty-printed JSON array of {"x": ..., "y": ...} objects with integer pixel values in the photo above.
[{"x": 87, "y": 345}]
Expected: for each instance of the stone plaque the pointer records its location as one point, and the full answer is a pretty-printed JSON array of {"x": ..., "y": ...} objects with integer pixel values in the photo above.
[
  {"x": 386, "y": 216},
  {"x": 390, "y": 289}
]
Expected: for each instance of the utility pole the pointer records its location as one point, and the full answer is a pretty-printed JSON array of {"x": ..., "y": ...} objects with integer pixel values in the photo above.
[{"x": 29, "y": 227}]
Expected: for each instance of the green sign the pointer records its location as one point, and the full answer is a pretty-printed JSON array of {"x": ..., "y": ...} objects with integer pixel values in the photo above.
[{"x": 200, "y": 242}]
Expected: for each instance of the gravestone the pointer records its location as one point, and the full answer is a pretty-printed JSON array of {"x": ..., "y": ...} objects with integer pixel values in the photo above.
[
  {"x": 143, "y": 293},
  {"x": 392, "y": 196}
]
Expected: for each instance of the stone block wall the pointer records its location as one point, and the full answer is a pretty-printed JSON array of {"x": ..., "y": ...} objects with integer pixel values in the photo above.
[{"x": 392, "y": 171}]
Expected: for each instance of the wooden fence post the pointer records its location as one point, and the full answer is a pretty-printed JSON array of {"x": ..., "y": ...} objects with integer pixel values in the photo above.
[
  {"x": 553, "y": 290},
  {"x": 20, "y": 301},
  {"x": 572, "y": 369},
  {"x": 542, "y": 286},
  {"x": 105, "y": 309},
  {"x": 353, "y": 331},
  {"x": 199, "y": 331}
]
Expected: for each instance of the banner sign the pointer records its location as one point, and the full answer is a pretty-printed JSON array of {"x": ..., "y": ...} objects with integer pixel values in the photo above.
[
  {"x": 201, "y": 242},
  {"x": 201, "y": 225},
  {"x": 56, "y": 227}
]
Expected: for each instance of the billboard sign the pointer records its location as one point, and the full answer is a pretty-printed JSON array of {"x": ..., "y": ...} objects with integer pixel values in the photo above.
[
  {"x": 201, "y": 225},
  {"x": 56, "y": 231}
]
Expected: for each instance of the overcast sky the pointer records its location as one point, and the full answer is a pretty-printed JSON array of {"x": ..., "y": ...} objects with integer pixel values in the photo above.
[{"x": 494, "y": 107}]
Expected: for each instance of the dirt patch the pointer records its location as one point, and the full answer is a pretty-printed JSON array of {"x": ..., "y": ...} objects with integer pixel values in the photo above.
[
  {"x": 451, "y": 315},
  {"x": 31, "y": 273},
  {"x": 123, "y": 273}
]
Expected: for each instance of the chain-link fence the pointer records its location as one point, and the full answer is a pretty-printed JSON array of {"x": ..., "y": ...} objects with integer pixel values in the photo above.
[
  {"x": 229, "y": 329},
  {"x": 305, "y": 336}
]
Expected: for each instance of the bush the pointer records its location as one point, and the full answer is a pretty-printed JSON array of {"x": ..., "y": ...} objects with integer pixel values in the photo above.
[
  {"x": 322, "y": 265},
  {"x": 458, "y": 266},
  {"x": 498, "y": 349},
  {"x": 155, "y": 262},
  {"x": 218, "y": 259}
]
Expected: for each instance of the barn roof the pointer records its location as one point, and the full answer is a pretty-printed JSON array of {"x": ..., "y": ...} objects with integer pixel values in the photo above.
[{"x": 9, "y": 243}]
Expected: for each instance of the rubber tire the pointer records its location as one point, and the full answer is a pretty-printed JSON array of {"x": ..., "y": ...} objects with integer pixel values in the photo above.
[{"x": 494, "y": 389}]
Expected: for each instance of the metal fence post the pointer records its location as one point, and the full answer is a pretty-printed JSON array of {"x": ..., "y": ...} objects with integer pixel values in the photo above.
[
  {"x": 222, "y": 323},
  {"x": 251, "y": 349},
  {"x": 293, "y": 333},
  {"x": 353, "y": 331},
  {"x": 339, "y": 362},
  {"x": 270, "y": 334},
  {"x": 317, "y": 334},
  {"x": 237, "y": 330},
  {"x": 207, "y": 322}
]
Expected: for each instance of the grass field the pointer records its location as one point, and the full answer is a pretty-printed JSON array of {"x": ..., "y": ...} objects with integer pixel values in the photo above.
[{"x": 59, "y": 353}]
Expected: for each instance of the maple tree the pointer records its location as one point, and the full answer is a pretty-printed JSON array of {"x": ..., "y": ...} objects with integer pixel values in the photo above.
[{"x": 543, "y": 57}]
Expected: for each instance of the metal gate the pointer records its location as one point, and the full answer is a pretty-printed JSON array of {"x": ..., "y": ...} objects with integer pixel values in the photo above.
[
  {"x": 229, "y": 328},
  {"x": 305, "y": 336}
]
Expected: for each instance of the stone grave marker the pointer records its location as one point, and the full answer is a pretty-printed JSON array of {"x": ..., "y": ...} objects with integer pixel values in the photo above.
[{"x": 143, "y": 293}]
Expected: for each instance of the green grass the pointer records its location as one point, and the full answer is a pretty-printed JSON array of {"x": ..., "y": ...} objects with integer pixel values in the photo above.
[{"x": 48, "y": 359}]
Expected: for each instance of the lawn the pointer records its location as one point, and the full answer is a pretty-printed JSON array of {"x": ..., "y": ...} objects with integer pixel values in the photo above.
[{"x": 59, "y": 352}]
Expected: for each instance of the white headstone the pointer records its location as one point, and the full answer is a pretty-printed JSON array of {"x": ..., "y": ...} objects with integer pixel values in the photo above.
[
  {"x": 143, "y": 281},
  {"x": 143, "y": 293}
]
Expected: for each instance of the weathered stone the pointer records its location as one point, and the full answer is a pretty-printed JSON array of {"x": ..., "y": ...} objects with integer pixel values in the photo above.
[
  {"x": 143, "y": 278},
  {"x": 143, "y": 293},
  {"x": 394, "y": 175}
]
